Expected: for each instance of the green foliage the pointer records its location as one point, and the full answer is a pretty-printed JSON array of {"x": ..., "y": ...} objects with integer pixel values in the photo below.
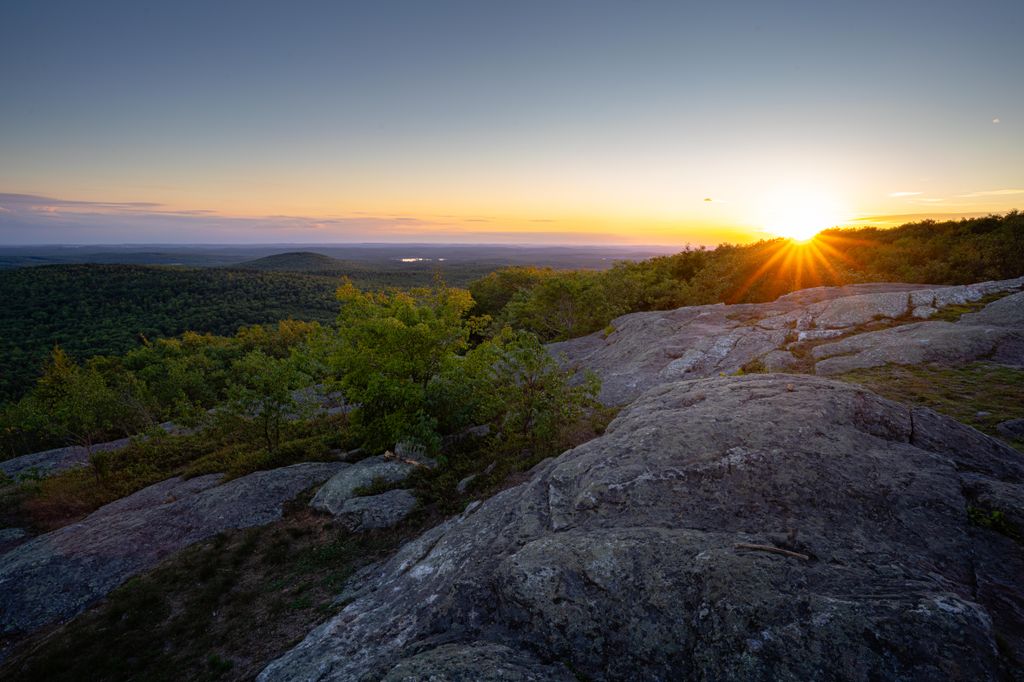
[
  {"x": 561, "y": 305},
  {"x": 993, "y": 520},
  {"x": 81, "y": 406},
  {"x": 94, "y": 310},
  {"x": 514, "y": 385},
  {"x": 387, "y": 348},
  {"x": 168, "y": 379},
  {"x": 493, "y": 292},
  {"x": 262, "y": 392}
]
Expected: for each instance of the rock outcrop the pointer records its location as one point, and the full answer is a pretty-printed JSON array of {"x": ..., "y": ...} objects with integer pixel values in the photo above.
[
  {"x": 49, "y": 462},
  {"x": 342, "y": 487},
  {"x": 377, "y": 511},
  {"x": 759, "y": 527},
  {"x": 647, "y": 349},
  {"x": 57, "y": 575}
]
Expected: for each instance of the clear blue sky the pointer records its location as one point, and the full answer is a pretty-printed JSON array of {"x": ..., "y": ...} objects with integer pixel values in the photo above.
[{"x": 482, "y": 121}]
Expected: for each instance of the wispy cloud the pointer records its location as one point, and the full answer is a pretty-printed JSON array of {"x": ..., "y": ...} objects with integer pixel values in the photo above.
[
  {"x": 904, "y": 194},
  {"x": 900, "y": 218},
  {"x": 36, "y": 219},
  {"x": 992, "y": 193}
]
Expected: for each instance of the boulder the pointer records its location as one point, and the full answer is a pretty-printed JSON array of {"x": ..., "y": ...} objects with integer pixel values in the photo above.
[
  {"x": 377, "y": 511},
  {"x": 57, "y": 575},
  {"x": 333, "y": 494},
  {"x": 757, "y": 527},
  {"x": 1011, "y": 428}
]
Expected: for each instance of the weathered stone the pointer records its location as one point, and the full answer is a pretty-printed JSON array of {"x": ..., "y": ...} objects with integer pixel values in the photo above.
[
  {"x": 912, "y": 344},
  {"x": 852, "y": 311},
  {"x": 779, "y": 361},
  {"x": 11, "y": 537},
  {"x": 55, "y": 576},
  {"x": 1011, "y": 428},
  {"x": 333, "y": 495},
  {"x": 629, "y": 557},
  {"x": 923, "y": 312},
  {"x": 478, "y": 662},
  {"x": 1004, "y": 312},
  {"x": 819, "y": 334},
  {"x": 50, "y": 462},
  {"x": 463, "y": 485},
  {"x": 377, "y": 511},
  {"x": 701, "y": 341}
]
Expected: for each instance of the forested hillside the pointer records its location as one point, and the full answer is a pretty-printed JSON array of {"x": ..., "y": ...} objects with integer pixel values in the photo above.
[{"x": 108, "y": 309}]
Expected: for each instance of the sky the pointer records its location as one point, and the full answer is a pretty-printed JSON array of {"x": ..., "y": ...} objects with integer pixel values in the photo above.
[{"x": 517, "y": 122}]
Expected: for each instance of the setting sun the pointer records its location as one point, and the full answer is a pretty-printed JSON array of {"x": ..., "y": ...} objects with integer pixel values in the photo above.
[{"x": 799, "y": 214}]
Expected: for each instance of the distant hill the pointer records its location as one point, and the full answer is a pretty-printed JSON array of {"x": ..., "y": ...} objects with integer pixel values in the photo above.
[{"x": 294, "y": 261}]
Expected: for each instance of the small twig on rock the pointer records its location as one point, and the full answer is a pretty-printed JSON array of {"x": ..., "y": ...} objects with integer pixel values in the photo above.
[{"x": 773, "y": 550}]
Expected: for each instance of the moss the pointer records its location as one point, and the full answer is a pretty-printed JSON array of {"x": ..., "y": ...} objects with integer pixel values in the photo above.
[
  {"x": 993, "y": 519},
  {"x": 952, "y": 313}
]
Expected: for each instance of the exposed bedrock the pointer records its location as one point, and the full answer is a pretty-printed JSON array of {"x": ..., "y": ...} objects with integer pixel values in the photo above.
[
  {"x": 760, "y": 527},
  {"x": 55, "y": 576},
  {"x": 647, "y": 349}
]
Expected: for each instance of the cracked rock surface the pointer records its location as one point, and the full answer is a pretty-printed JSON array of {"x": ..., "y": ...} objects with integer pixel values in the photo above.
[
  {"x": 647, "y": 349},
  {"x": 618, "y": 560}
]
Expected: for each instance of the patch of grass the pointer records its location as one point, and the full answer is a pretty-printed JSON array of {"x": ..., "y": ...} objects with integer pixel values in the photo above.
[
  {"x": 980, "y": 394},
  {"x": 952, "y": 313},
  {"x": 220, "y": 610},
  {"x": 755, "y": 366}
]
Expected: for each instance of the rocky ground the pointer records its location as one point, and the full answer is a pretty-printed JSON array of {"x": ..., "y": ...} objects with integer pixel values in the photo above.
[
  {"x": 843, "y": 328},
  {"x": 756, "y": 527},
  {"x": 731, "y": 524},
  {"x": 56, "y": 575}
]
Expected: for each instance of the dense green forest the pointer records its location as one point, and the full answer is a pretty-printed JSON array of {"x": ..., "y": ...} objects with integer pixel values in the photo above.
[
  {"x": 109, "y": 309},
  {"x": 105, "y": 309}
]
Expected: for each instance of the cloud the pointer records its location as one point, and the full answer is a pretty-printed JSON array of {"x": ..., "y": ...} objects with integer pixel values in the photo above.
[
  {"x": 993, "y": 193},
  {"x": 35, "y": 219},
  {"x": 900, "y": 218},
  {"x": 40, "y": 202},
  {"x": 904, "y": 194},
  {"x": 995, "y": 120}
]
